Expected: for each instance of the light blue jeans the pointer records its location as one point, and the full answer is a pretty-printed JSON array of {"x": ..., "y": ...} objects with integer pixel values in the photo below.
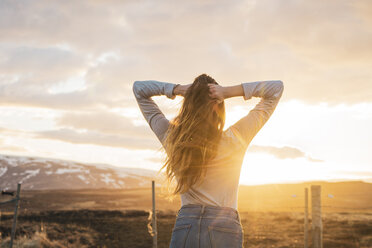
[{"x": 200, "y": 226}]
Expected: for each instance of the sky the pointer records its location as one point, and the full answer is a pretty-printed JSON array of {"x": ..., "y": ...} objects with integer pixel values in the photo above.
[{"x": 67, "y": 70}]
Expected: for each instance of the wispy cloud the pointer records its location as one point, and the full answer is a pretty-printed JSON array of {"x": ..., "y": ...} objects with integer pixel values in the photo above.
[
  {"x": 104, "y": 122},
  {"x": 283, "y": 152},
  {"x": 13, "y": 148},
  {"x": 97, "y": 138},
  {"x": 320, "y": 56},
  {"x": 78, "y": 59}
]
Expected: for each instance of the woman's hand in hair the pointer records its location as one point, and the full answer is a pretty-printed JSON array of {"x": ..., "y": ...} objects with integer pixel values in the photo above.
[
  {"x": 180, "y": 90},
  {"x": 216, "y": 92}
]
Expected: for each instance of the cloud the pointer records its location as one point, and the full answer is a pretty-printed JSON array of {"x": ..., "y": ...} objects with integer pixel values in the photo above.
[
  {"x": 316, "y": 32},
  {"x": 283, "y": 152},
  {"x": 321, "y": 51},
  {"x": 28, "y": 77},
  {"x": 95, "y": 138},
  {"x": 12, "y": 132},
  {"x": 157, "y": 160},
  {"x": 103, "y": 122},
  {"x": 367, "y": 174},
  {"x": 13, "y": 148},
  {"x": 46, "y": 64},
  {"x": 90, "y": 25},
  {"x": 8, "y": 147},
  {"x": 101, "y": 128}
]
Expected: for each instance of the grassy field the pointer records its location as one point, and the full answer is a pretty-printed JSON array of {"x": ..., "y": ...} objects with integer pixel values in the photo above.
[
  {"x": 103, "y": 228},
  {"x": 119, "y": 218}
]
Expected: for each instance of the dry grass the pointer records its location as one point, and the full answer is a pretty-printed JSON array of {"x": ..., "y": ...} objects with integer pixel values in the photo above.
[
  {"x": 99, "y": 228},
  {"x": 119, "y": 218}
]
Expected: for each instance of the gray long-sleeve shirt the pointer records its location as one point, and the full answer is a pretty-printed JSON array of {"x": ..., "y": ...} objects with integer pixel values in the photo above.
[{"x": 220, "y": 186}]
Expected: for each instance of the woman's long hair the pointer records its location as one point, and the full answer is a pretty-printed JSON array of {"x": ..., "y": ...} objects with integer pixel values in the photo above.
[{"x": 193, "y": 135}]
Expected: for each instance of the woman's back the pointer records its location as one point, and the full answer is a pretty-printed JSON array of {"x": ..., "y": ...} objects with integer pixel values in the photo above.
[
  {"x": 219, "y": 187},
  {"x": 208, "y": 216}
]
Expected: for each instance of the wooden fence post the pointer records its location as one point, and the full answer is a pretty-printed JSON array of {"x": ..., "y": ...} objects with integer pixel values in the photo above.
[
  {"x": 306, "y": 225},
  {"x": 15, "y": 214},
  {"x": 317, "y": 228},
  {"x": 154, "y": 229}
]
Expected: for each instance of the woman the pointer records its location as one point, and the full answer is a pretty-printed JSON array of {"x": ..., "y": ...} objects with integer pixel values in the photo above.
[{"x": 204, "y": 160}]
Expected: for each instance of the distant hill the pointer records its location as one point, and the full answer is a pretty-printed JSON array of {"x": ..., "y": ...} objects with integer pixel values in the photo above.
[
  {"x": 131, "y": 188},
  {"x": 349, "y": 196},
  {"x": 335, "y": 197},
  {"x": 44, "y": 173}
]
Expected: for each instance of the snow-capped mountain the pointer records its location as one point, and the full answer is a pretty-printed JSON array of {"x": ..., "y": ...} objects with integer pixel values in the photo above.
[{"x": 46, "y": 173}]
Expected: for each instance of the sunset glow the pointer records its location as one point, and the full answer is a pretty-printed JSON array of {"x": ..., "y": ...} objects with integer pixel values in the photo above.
[{"x": 66, "y": 80}]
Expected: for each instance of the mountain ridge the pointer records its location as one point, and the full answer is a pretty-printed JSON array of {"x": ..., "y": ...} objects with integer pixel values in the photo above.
[
  {"x": 40, "y": 173},
  {"x": 49, "y": 173}
]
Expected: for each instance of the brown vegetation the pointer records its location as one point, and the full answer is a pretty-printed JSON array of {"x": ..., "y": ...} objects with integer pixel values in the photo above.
[{"x": 119, "y": 218}]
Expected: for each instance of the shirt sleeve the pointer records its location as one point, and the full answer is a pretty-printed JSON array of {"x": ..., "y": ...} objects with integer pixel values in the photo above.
[
  {"x": 143, "y": 91},
  {"x": 270, "y": 93}
]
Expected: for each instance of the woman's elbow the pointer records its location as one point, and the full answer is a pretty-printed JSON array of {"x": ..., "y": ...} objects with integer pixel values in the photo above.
[
  {"x": 281, "y": 85},
  {"x": 136, "y": 88},
  {"x": 280, "y": 89}
]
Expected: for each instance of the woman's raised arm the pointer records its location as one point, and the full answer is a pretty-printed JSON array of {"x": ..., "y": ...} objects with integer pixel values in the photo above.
[
  {"x": 270, "y": 93},
  {"x": 143, "y": 91}
]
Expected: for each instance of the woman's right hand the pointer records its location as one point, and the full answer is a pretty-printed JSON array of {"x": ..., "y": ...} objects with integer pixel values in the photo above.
[
  {"x": 181, "y": 89},
  {"x": 216, "y": 92}
]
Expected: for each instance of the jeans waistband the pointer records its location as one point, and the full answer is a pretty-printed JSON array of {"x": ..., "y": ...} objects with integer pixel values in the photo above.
[{"x": 207, "y": 211}]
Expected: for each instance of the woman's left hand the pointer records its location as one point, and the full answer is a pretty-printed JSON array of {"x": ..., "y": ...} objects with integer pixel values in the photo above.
[{"x": 216, "y": 92}]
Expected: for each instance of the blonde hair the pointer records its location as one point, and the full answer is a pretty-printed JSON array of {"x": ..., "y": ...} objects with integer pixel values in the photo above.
[{"x": 193, "y": 136}]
